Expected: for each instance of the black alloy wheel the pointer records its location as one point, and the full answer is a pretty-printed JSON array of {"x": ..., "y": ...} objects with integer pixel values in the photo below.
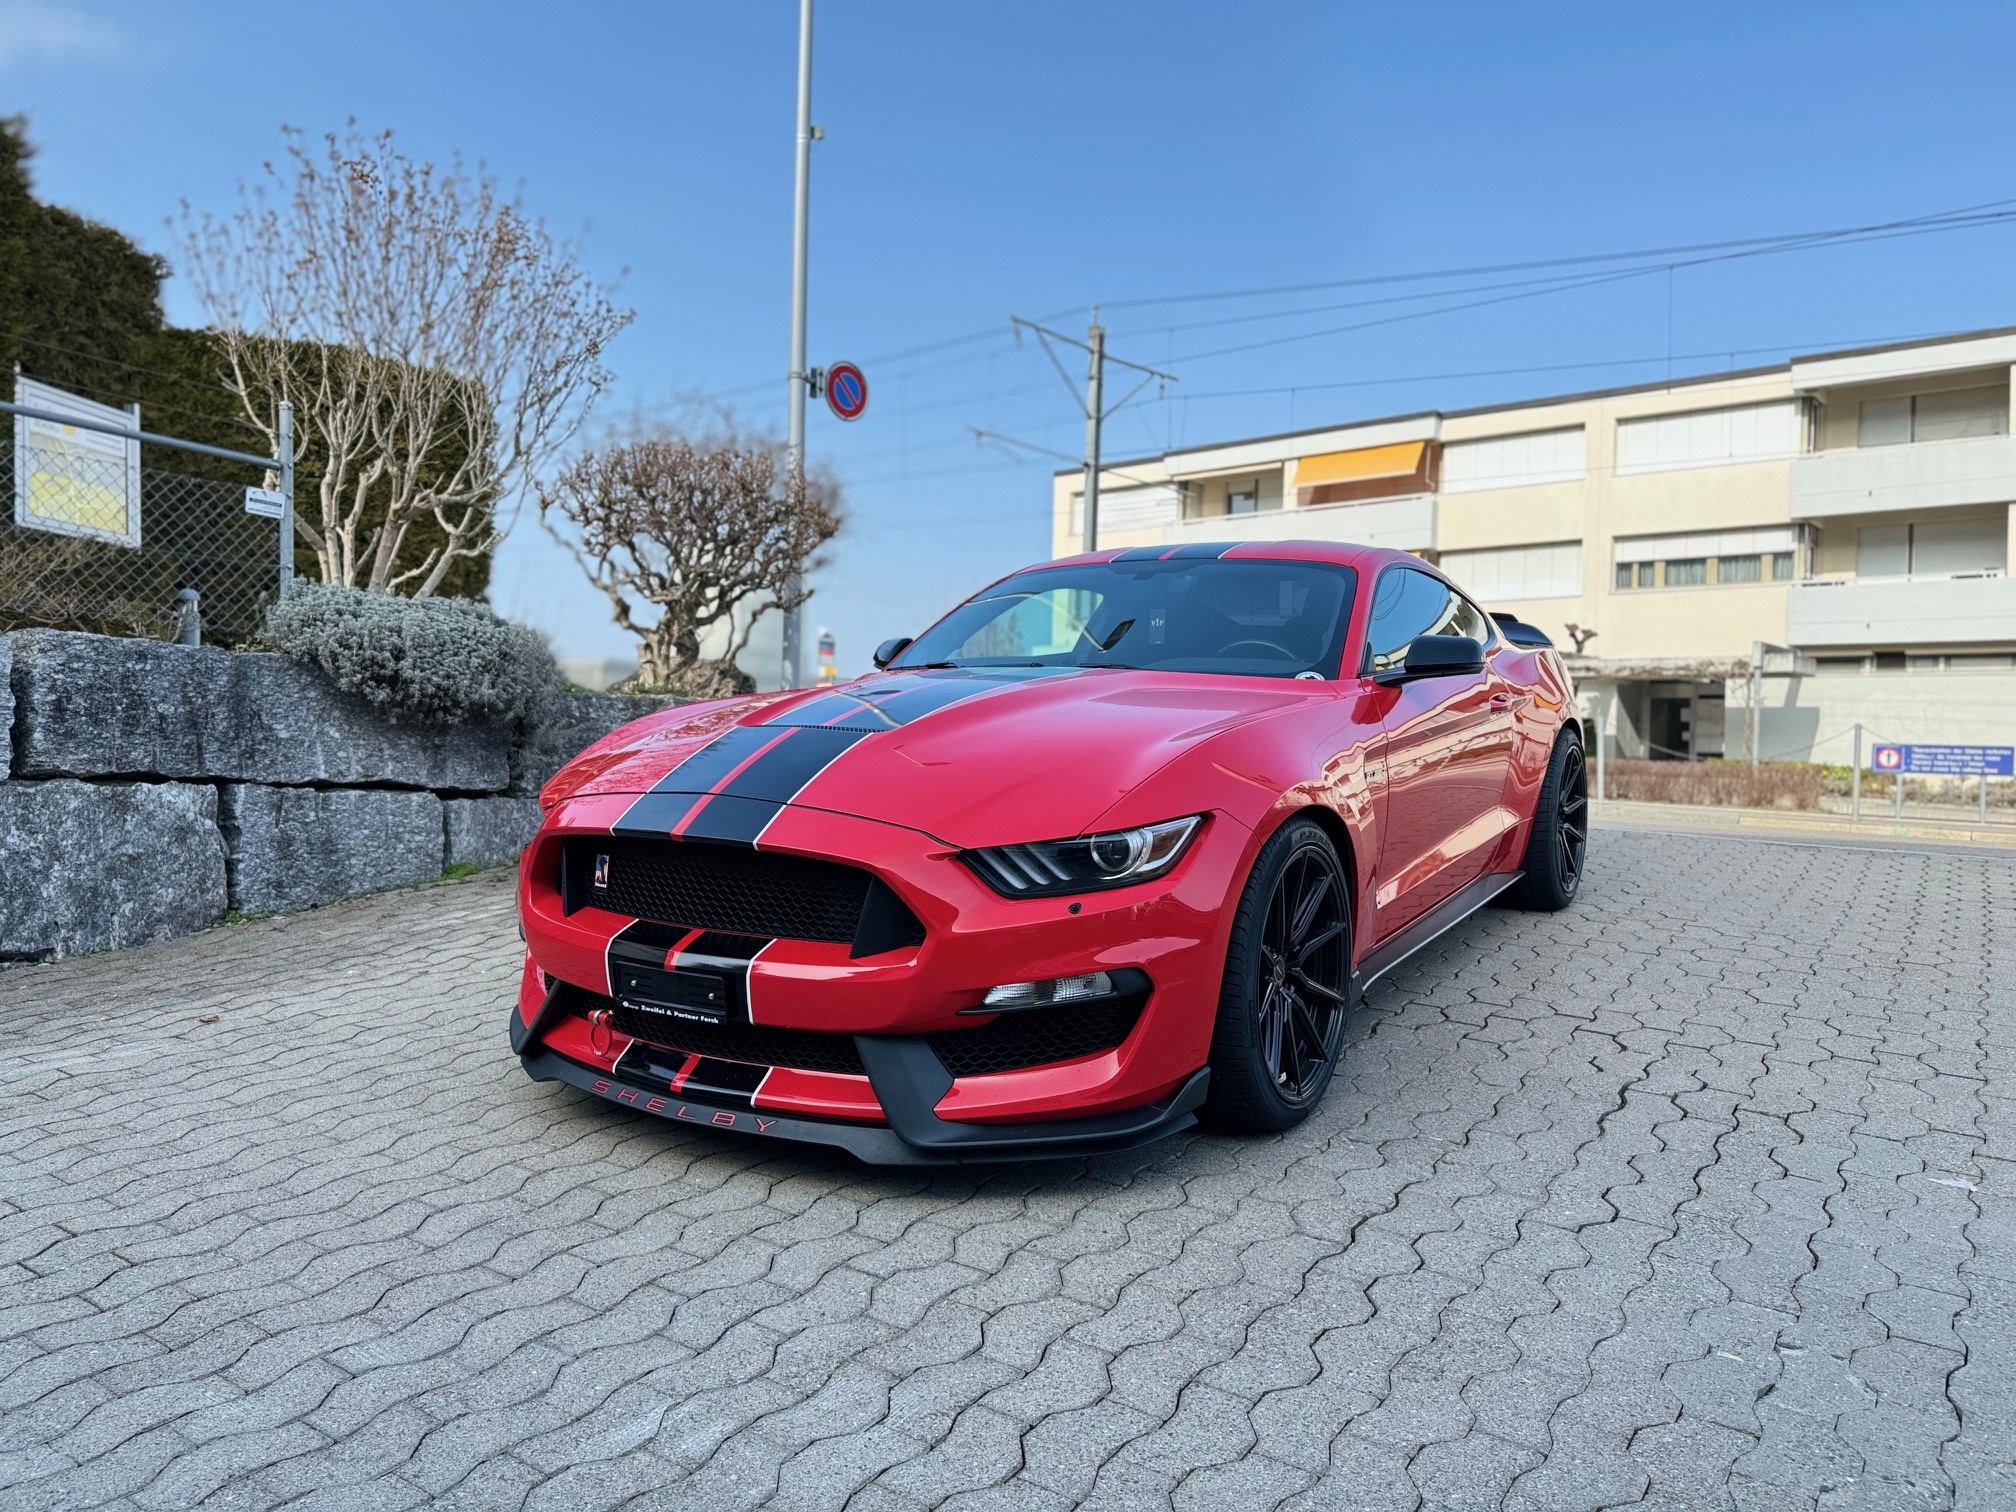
[
  {"x": 1571, "y": 819},
  {"x": 1557, "y": 848},
  {"x": 1287, "y": 973}
]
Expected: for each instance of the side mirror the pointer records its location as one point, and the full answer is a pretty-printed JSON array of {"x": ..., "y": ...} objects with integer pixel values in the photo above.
[
  {"x": 889, "y": 650},
  {"x": 1436, "y": 656}
]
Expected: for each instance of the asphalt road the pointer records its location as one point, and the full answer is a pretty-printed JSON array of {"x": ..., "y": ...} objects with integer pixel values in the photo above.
[{"x": 1700, "y": 1195}]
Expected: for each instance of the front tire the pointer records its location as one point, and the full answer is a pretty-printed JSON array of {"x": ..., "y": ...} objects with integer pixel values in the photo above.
[
  {"x": 1558, "y": 845},
  {"x": 1281, "y": 1007}
]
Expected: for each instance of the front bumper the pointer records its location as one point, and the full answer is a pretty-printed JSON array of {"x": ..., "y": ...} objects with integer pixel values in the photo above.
[
  {"x": 915, "y": 1135},
  {"x": 905, "y": 1106}
]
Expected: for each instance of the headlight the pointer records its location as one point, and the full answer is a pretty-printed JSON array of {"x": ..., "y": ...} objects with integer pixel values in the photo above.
[{"x": 1086, "y": 864}]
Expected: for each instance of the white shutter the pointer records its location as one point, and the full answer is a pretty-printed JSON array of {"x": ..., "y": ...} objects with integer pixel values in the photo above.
[
  {"x": 1708, "y": 438},
  {"x": 1513, "y": 461}
]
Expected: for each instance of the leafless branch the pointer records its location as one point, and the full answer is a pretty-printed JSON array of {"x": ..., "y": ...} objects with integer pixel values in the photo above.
[{"x": 438, "y": 345}]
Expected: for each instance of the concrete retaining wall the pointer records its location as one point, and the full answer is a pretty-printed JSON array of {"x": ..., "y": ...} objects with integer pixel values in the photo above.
[
  {"x": 91, "y": 865},
  {"x": 146, "y": 788}
]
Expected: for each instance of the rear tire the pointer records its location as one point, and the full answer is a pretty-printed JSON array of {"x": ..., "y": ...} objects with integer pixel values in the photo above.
[
  {"x": 1557, "y": 847},
  {"x": 1281, "y": 1006}
]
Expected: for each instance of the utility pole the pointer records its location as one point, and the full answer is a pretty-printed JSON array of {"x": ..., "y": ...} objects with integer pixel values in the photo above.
[
  {"x": 799, "y": 384},
  {"x": 1095, "y": 395},
  {"x": 1096, "y": 408}
]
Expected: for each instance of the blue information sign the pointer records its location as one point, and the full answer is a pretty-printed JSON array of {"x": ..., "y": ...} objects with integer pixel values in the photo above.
[{"x": 1945, "y": 760}]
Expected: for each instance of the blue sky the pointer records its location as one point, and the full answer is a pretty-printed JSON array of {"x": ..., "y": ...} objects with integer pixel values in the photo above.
[{"x": 988, "y": 160}]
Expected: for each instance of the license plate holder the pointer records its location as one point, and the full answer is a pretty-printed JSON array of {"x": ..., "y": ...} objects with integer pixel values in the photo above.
[{"x": 701, "y": 997}]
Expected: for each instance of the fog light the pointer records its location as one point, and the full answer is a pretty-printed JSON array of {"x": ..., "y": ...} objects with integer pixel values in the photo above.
[{"x": 1071, "y": 989}]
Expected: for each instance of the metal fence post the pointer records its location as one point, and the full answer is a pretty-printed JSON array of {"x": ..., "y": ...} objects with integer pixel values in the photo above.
[
  {"x": 286, "y": 428},
  {"x": 1855, "y": 779},
  {"x": 1984, "y": 795},
  {"x": 1897, "y": 793},
  {"x": 1602, "y": 741}
]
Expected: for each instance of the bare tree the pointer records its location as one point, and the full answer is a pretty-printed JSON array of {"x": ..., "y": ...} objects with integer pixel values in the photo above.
[
  {"x": 687, "y": 534},
  {"x": 437, "y": 346}
]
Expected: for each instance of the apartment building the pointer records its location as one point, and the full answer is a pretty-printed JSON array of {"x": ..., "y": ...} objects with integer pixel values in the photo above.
[{"x": 1828, "y": 539}]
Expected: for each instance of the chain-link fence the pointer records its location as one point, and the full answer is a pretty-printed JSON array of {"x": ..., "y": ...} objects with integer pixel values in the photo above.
[{"x": 89, "y": 541}]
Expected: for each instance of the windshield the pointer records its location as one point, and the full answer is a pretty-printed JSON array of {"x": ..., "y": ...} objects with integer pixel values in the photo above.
[{"x": 1239, "y": 618}]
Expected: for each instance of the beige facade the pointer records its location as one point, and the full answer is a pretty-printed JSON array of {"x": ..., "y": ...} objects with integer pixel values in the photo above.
[{"x": 1855, "y": 510}]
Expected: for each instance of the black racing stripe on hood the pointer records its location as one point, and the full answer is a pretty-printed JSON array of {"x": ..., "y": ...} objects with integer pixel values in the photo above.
[
  {"x": 1200, "y": 551},
  {"x": 941, "y": 690},
  {"x": 656, "y": 814},
  {"x": 802, "y": 754},
  {"x": 736, "y": 821},
  {"x": 826, "y": 709}
]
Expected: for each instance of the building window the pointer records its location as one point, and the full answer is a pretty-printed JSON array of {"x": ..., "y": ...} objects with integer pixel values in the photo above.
[
  {"x": 1513, "y": 461},
  {"x": 1950, "y": 415},
  {"x": 1518, "y": 572},
  {"x": 1842, "y": 663},
  {"x": 1708, "y": 438},
  {"x": 1981, "y": 661},
  {"x": 1739, "y": 569},
  {"x": 1932, "y": 548},
  {"x": 1703, "y": 557}
]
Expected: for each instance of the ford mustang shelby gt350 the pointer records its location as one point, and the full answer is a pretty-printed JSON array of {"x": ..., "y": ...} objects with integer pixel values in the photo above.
[{"x": 1115, "y": 844}]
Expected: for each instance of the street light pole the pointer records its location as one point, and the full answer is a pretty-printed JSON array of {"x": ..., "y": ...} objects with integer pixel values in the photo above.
[{"x": 799, "y": 383}]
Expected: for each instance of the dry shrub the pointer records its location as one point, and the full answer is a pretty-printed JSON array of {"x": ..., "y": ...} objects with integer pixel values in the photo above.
[{"x": 1728, "y": 784}]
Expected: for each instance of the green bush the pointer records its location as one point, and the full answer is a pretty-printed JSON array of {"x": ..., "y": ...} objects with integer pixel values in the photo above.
[{"x": 431, "y": 661}]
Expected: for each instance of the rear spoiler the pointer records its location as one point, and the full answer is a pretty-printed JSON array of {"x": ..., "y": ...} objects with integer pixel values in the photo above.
[{"x": 1520, "y": 633}]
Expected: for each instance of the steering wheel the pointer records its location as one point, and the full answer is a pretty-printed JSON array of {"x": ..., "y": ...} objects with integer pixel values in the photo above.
[{"x": 1282, "y": 651}]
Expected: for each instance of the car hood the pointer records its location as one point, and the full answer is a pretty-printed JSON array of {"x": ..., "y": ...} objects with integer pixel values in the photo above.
[{"x": 971, "y": 756}]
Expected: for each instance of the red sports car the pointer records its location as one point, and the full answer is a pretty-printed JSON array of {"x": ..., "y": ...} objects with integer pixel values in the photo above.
[{"x": 1114, "y": 845}]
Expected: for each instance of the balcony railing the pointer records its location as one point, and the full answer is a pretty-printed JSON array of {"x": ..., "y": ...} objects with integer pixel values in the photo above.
[
  {"x": 1919, "y": 475},
  {"x": 1955, "y": 609}
]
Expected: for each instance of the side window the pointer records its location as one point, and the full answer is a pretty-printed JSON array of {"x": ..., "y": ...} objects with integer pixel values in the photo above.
[{"x": 1405, "y": 604}]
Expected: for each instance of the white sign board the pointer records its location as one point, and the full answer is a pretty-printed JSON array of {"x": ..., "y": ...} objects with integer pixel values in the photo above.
[
  {"x": 73, "y": 481},
  {"x": 265, "y": 502}
]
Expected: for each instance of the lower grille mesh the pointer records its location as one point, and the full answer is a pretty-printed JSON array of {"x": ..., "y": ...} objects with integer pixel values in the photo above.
[{"x": 1037, "y": 1037}]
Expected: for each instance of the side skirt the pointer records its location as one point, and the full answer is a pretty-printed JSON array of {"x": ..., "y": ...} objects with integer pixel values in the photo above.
[{"x": 1439, "y": 920}]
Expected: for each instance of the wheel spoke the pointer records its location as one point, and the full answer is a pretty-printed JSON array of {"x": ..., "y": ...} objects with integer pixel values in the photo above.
[
  {"x": 1310, "y": 984},
  {"x": 1305, "y": 910},
  {"x": 1311, "y": 1035},
  {"x": 1270, "y": 1033},
  {"x": 1316, "y": 942}
]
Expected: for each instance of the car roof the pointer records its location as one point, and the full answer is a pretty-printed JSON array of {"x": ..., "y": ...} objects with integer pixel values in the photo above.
[{"x": 1343, "y": 553}]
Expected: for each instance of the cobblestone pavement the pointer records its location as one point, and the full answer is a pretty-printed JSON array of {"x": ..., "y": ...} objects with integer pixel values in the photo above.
[{"x": 1700, "y": 1195}]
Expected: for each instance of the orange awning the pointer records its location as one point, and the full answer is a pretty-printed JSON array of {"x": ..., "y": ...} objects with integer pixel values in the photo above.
[{"x": 1395, "y": 461}]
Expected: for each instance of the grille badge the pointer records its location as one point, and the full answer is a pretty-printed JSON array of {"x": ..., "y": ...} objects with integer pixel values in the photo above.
[{"x": 602, "y": 872}]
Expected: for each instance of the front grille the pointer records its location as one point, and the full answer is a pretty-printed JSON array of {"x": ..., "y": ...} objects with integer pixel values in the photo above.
[
  {"x": 1013, "y": 1042},
  {"x": 702, "y": 886},
  {"x": 800, "y": 1049},
  {"x": 1037, "y": 1036}
]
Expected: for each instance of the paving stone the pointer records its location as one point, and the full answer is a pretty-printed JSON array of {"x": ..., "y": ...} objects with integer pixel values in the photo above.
[{"x": 1643, "y": 1203}]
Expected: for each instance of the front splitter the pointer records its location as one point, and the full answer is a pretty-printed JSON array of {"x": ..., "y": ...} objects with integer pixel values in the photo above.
[{"x": 970, "y": 1144}]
